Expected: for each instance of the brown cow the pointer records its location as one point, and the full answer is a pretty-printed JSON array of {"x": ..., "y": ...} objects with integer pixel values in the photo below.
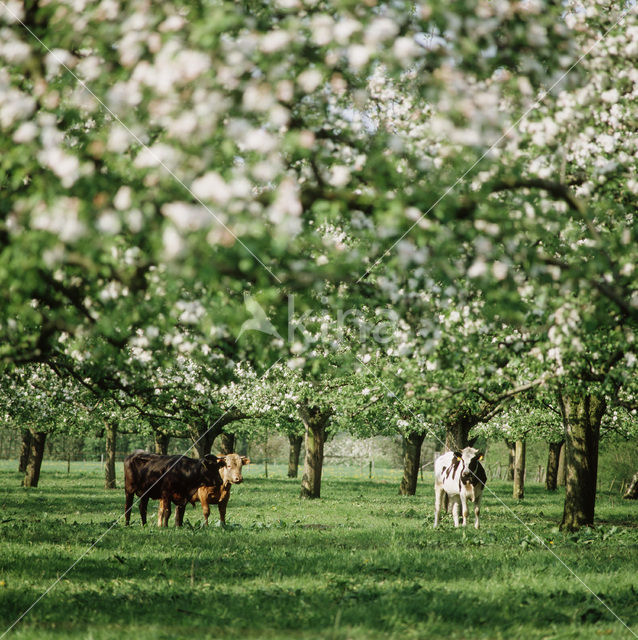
[
  {"x": 169, "y": 479},
  {"x": 219, "y": 494}
]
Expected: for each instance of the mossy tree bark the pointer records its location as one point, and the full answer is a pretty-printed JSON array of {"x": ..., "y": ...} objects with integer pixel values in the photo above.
[
  {"x": 315, "y": 421},
  {"x": 458, "y": 430},
  {"x": 562, "y": 468},
  {"x": 518, "y": 492},
  {"x": 582, "y": 415},
  {"x": 411, "y": 463},
  {"x": 293, "y": 455},
  {"x": 36, "y": 452},
  {"x": 203, "y": 438},
  {"x": 511, "y": 446},
  {"x": 632, "y": 489},
  {"x": 25, "y": 449},
  {"x": 227, "y": 443},
  {"x": 111, "y": 445},
  {"x": 161, "y": 442},
  {"x": 553, "y": 457}
]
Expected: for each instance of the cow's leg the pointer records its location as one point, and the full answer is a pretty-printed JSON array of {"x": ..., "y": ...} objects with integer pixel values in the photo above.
[
  {"x": 128, "y": 506},
  {"x": 143, "y": 506},
  {"x": 477, "y": 510},
  {"x": 456, "y": 503},
  {"x": 165, "y": 512},
  {"x": 179, "y": 514},
  {"x": 222, "y": 510},
  {"x": 205, "y": 509},
  {"x": 438, "y": 499},
  {"x": 464, "y": 510}
]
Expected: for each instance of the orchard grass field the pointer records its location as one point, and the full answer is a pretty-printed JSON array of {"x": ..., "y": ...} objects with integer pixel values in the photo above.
[{"x": 361, "y": 562}]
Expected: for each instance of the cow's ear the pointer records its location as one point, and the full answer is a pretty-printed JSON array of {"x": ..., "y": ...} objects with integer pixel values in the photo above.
[
  {"x": 221, "y": 461},
  {"x": 209, "y": 460},
  {"x": 480, "y": 455},
  {"x": 458, "y": 455},
  {"x": 245, "y": 460}
]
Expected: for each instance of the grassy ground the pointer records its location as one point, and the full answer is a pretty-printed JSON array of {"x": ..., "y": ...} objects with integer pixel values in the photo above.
[{"x": 361, "y": 562}]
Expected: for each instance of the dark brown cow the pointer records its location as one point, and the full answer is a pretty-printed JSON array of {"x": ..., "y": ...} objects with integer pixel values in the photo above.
[
  {"x": 219, "y": 493},
  {"x": 167, "y": 479}
]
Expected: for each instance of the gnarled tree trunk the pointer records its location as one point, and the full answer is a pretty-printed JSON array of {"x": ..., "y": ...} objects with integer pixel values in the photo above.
[
  {"x": 36, "y": 452},
  {"x": 161, "y": 443},
  {"x": 553, "y": 457},
  {"x": 293, "y": 455},
  {"x": 315, "y": 422},
  {"x": 111, "y": 444},
  {"x": 511, "y": 446},
  {"x": 227, "y": 443},
  {"x": 203, "y": 438},
  {"x": 411, "y": 463},
  {"x": 25, "y": 449},
  {"x": 582, "y": 415},
  {"x": 562, "y": 467},
  {"x": 458, "y": 430},
  {"x": 518, "y": 492},
  {"x": 632, "y": 489}
]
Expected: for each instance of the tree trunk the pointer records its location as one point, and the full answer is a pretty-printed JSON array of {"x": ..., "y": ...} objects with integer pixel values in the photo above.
[
  {"x": 458, "y": 430},
  {"x": 553, "y": 458},
  {"x": 203, "y": 438},
  {"x": 582, "y": 415},
  {"x": 109, "y": 467},
  {"x": 519, "y": 470},
  {"x": 161, "y": 442},
  {"x": 632, "y": 489},
  {"x": 511, "y": 445},
  {"x": 25, "y": 449},
  {"x": 227, "y": 443},
  {"x": 36, "y": 452},
  {"x": 315, "y": 421},
  {"x": 562, "y": 467},
  {"x": 411, "y": 463},
  {"x": 293, "y": 456}
]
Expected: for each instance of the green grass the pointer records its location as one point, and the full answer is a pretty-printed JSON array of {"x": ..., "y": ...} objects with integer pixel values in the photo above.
[{"x": 362, "y": 562}]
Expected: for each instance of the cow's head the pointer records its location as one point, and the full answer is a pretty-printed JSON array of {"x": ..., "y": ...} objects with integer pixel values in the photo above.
[
  {"x": 230, "y": 467},
  {"x": 471, "y": 458}
]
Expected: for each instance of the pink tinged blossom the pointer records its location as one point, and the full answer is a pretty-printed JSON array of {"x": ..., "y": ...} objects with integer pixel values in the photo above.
[
  {"x": 478, "y": 268},
  {"x": 61, "y": 219},
  {"x": 109, "y": 223},
  {"x": 339, "y": 176},
  {"x": 405, "y": 50},
  {"x": 14, "y": 51},
  {"x": 26, "y": 132},
  {"x": 62, "y": 164},
  {"x": 309, "y": 80},
  {"x": 322, "y": 27},
  {"x": 123, "y": 198},
  {"x": 345, "y": 29},
  {"x": 274, "y": 41},
  {"x": 380, "y": 30},
  {"x": 11, "y": 11},
  {"x": 358, "y": 56},
  {"x": 173, "y": 243},
  {"x": 499, "y": 269},
  {"x": 211, "y": 186},
  {"x": 611, "y": 97},
  {"x": 186, "y": 216},
  {"x": 172, "y": 23},
  {"x": 58, "y": 59}
]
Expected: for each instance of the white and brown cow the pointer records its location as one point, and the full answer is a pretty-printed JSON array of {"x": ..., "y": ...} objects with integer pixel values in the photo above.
[
  {"x": 461, "y": 476},
  {"x": 230, "y": 469}
]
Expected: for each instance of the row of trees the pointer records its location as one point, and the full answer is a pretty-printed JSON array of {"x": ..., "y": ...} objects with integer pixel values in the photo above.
[{"x": 376, "y": 217}]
